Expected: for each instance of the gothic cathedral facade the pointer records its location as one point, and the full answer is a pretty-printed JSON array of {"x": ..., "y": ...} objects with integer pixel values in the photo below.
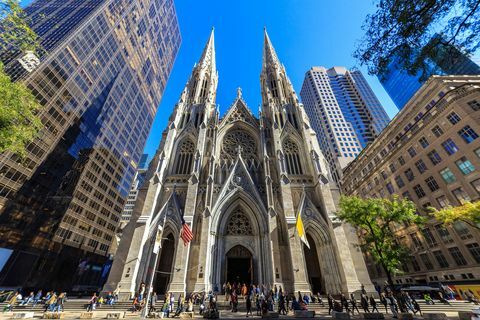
[{"x": 239, "y": 182}]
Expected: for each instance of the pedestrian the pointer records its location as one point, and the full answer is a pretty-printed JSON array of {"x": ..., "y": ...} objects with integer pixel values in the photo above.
[
  {"x": 172, "y": 302},
  {"x": 59, "y": 303},
  {"x": 92, "y": 303},
  {"x": 28, "y": 299},
  {"x": 416, "y": 307},
  {"x": 50, "y": 303},
  {"x": 383, "y": 300},
  {"x": 428, "y": 299},
  {"x": 373, "y": 303},
  {"x": 180, "y": 305},
  {"x": 393, "y": 305},
  {"x": 353, "y": 302},
  {"x": 344, "y": 302},
  {"x": 37, "y": 298},
  {"x": 153, "y": 302},
  {"x": 166, "y": 307},
  {"x": 11, "y": 303},
  {"x": 330, "y": 303},
  {"x": 141, "y": 292},
  {"x": 364, "y": 302},
  {"x": 281, "y": 303},
  {"x": 248, "y": 304}
]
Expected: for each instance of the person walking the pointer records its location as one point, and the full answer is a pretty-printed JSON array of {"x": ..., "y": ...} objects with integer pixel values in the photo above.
[
  {"x": 344, "y": 302},
  {"x": 28, "y": 299},
  {"x": 393, "y": 305},
  {"x": 330, "y": 303},
  {"x": 50, "y": 303},
  {"x": 180, "y": 304},
  {"x": 364, "y": 302},
  {"x": 383, "y": 300},
  {"x": 59, "y": 303},
  {"x": 373, "y": 303},
  {"x": 281, "y": 303},
  {"x": 248, "y": 304},
  {"x": 353, "y": 302},
  {"x": 92, "y": 303}
]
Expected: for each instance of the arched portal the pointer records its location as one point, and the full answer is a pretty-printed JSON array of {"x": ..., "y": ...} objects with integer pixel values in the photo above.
[
  {"x": 313, "y": 266},
  {"x": 165, "y": 265},
  {"x": 239, "y": 266}
]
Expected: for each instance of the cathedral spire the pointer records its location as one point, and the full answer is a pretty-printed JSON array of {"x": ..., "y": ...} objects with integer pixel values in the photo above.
[
  {"x": 269, "y": 55},
  {"x": 208, "y": 55}
]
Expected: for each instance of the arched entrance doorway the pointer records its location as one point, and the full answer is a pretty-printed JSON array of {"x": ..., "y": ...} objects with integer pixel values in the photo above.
[
  {"x": 239, "y": 265},
  {"x": 165, "y": 264},
  {"x": 313, "y": 266}
]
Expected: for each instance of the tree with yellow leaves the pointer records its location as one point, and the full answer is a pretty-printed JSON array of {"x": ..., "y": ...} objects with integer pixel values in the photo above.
[{"x": 469, "y": 212}]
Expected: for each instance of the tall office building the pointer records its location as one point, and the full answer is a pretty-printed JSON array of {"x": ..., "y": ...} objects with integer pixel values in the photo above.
[
  {"x": 100, "y": 81},
  {"x": 401, "y": 86},
  {"x": 344, "y": 112}
]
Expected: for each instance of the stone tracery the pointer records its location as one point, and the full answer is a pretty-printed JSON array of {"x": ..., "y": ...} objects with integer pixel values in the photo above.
[{"x": 239, "y": 224}]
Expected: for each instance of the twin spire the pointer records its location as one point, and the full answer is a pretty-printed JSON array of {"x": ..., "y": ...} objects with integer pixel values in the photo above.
[{"x": 207, "y": 59}]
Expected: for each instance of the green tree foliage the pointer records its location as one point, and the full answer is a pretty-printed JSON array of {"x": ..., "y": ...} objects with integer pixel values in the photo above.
[
  {"x": 375, "y": 219},
  {"x": 469, "y": 212},
  {"x": 15, "y": 30},
  {"x": 19, "y": 121},
  {"x": 418, "y": 31}
]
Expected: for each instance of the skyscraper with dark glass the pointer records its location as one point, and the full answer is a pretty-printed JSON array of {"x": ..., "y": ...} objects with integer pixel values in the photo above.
[
  {"x": 448, "y": 60},
  {"x": 100, "y": 79}
]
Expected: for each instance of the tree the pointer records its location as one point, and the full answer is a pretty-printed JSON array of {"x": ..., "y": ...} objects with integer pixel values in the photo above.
[
  {"x": 19, "y": 120},
  {"x": 414, "y": 32},
  {"x": 375, "y": 220},
  {"x": 469, "y": 212}
]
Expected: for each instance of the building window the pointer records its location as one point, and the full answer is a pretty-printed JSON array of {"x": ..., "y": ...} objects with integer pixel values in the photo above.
[
  {"x": 415, "y": 264},
  {"x": 474, "y": 104},
  {"x": 432, "y": 184},
  {"x": 429, "y": 238},
  {"x": 474, "y": 249},
  {"x": 426, "y": 261},
  {"x": 476, "y": 185},
  {"x": 448, "y": 175},
  {"x": 392, "y": 167},
  {"x": 407, "y": 195},
  {"x": 412, "y": 152},
  {"x": 461, "y": 229},
  {"x": 401, "y": 161},
  {"x": 292, "y": 157},
  {"x": 442, "y": 261},
  {"x": 390, "y": 188},
  {"x": 423, "y": 142},
  {"x": 465, "y": 165},
  {"x": 453, "y": 118},
  {"x": 434, "y": 157},
  {"x": 444, "y": 234},
  {"x": 457, "y": 256},
  {"x": 461, "y": 195},
  {"x": 443, "y": 201},
  {"x": 416, "y": 241},
  {"x": 399, "y": 182},
  {"x": 409, "y": 174},
  {"x": 184, "y": 161},
  {"x": 468, "y": 134},
  {"x": 437, "y": 131},
  {"x": 449, "y": 146},
  {"x": 384, "y": 175},
  {"x": 421, "y": 166},
  {"x": 419, "y": 191}
]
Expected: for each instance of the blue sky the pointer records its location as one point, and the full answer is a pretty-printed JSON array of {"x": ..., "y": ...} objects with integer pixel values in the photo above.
[{"x": 305, "y": 33}]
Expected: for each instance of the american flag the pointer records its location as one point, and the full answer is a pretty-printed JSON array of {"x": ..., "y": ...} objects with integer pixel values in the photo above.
[{"x": 186, "y": 233}]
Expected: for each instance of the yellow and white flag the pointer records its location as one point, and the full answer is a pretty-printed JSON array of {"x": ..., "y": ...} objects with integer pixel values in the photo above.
[{"x": 301, "y": 229}]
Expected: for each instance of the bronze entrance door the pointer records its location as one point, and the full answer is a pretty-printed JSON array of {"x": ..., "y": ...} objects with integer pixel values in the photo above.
[{"x": 239, "y": 265}]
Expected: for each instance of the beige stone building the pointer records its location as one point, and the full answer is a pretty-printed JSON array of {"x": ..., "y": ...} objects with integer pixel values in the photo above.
[
  {"x": 429, "y": 153},
  {"x": 238, "y": 181}
]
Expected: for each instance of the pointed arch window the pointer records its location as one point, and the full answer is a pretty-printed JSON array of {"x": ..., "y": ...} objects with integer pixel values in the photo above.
[
  {"x": 184, "y": 161},
  {"x": 292, "y": 157},
  {"x": 273, "y": 85},
  {"x": 203, "y": 92}
]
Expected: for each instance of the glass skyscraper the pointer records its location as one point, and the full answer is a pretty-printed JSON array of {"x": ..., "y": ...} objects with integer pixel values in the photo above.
[
  {"x": 343, "y": 111},
  {"x": 99, "y": 79},
  {"x": 448, "y": 60}
]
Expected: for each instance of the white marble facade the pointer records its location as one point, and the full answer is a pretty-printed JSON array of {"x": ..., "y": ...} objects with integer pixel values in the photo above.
[{"x": 239, "y": 182}]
